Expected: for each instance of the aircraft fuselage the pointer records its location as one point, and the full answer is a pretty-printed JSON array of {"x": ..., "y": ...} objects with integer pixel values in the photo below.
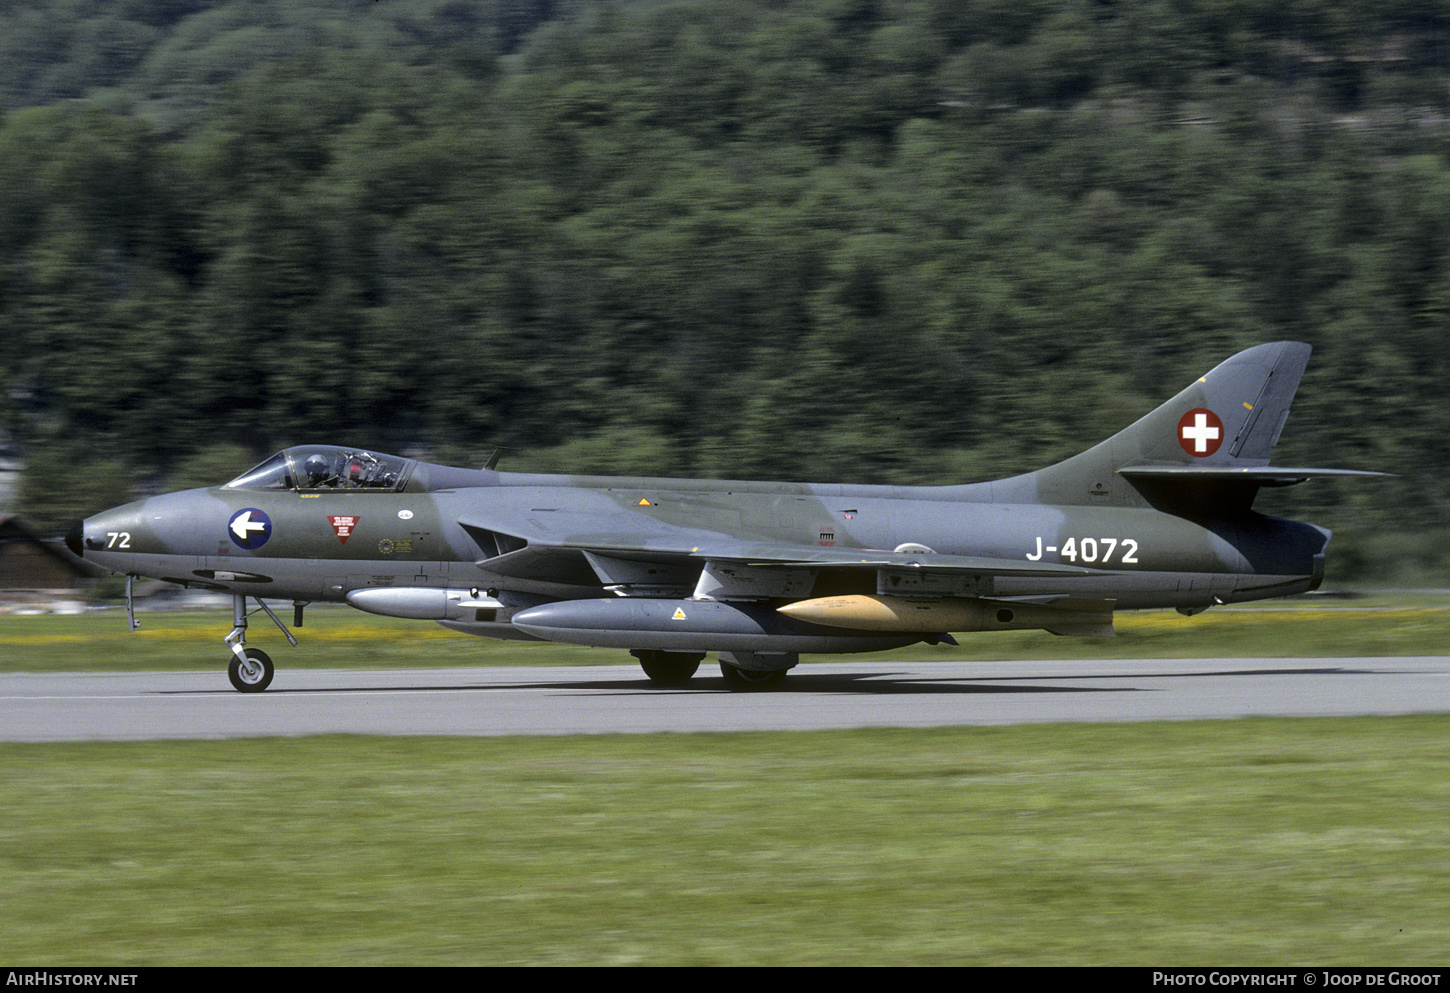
[
  {"x": 321, "y": 546},
  {"x": 1158, "y": 515}
]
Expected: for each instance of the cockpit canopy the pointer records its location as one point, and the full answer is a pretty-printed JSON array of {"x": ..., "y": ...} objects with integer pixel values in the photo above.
[{"x": 327, "y": 467}]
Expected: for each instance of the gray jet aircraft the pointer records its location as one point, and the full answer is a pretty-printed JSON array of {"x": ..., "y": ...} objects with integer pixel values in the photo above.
[{"x": 1159, "y": 515}]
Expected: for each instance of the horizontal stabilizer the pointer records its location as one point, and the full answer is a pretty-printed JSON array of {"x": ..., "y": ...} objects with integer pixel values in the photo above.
[{"x": 1267, "y": 475}]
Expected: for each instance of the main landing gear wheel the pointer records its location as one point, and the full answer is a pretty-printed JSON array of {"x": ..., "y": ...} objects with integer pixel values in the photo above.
[
  {"x": 253, "y": 675},
  {"x": 668, "y": 668},
  {"x": 751, "y": 680}
]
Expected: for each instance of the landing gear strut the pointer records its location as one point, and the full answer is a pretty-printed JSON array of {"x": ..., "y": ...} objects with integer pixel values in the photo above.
[{"x": 251, "y": 670}]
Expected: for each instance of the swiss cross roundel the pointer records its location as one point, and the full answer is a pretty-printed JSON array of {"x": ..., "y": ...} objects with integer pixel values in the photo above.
[{"x": 1200, "y": 432}]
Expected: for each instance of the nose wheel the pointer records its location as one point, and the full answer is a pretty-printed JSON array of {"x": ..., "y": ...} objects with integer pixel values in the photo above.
[{"x": 252, "y": 671}]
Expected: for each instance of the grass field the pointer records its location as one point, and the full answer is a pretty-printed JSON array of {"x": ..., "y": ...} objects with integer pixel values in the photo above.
[
  {"x": 1300, "y": 842},
  {"x": 1274, "y": 842}
]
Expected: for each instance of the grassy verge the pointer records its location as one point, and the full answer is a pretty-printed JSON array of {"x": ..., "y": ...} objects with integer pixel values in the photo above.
[
  {"x": 1279, "y": 842},
  {"x": 1402, "y": 624}
]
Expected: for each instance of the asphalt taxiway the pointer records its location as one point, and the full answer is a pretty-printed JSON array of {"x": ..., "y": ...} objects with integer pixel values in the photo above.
[{"x": 619, "y": 699}]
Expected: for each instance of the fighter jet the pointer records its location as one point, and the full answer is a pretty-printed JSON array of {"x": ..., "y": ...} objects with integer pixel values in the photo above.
[{"x": 1157, "y": 516}]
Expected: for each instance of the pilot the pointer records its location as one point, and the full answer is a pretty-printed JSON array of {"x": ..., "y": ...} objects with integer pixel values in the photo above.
[{"x": 318, "y": 471}]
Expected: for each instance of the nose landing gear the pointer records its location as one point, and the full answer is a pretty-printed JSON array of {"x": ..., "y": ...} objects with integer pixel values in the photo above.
[{"x": 251, "y": 670}]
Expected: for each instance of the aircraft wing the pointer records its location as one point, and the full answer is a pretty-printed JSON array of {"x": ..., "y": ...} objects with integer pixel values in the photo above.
[
  {"x": 813, "y": 557},
  {"x": 639, "y": 555}
]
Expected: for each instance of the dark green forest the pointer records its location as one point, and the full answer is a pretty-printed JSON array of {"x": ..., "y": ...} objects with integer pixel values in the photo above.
[{"x": 909, "y": 241}]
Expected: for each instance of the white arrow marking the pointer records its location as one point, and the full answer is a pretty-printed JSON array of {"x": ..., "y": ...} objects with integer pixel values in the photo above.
[{"x": 243, "y": 526}]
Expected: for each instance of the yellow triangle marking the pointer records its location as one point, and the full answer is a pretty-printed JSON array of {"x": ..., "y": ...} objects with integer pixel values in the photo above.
[
  {"x": 644, "y": 503},
  {"x": 679, "y": 614}
]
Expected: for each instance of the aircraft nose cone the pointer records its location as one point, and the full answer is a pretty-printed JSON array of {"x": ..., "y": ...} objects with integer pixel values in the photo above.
[{"x": 73, "y": 539}]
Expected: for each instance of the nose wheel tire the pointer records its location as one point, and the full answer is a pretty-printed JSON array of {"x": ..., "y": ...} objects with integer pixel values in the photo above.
[{"x": 253, "y": 675}]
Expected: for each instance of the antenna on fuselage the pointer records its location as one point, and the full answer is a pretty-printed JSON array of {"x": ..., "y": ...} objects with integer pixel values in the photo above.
[{"x": 492, "y": 462}]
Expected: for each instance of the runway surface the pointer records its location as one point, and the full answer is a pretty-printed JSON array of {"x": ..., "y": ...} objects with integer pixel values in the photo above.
[{"x": 618, "y": 699}]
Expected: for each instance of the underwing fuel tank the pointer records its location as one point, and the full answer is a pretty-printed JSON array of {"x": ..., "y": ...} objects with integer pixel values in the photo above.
[
  {"x": 1084, "y": 618},
  {"x": 693, "y": 625},
  {"x": 425, "y": 604}
]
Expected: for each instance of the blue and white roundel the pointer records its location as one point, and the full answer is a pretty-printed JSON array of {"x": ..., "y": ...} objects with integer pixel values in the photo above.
[{"x": 249, "y": 528}]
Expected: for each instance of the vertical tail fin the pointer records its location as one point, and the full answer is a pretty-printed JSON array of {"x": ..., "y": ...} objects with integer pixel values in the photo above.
[{"x": 1226, "y": 422}]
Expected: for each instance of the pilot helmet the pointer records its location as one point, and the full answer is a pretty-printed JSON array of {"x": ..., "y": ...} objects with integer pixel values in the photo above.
[{"x": 317, "y": 469}]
